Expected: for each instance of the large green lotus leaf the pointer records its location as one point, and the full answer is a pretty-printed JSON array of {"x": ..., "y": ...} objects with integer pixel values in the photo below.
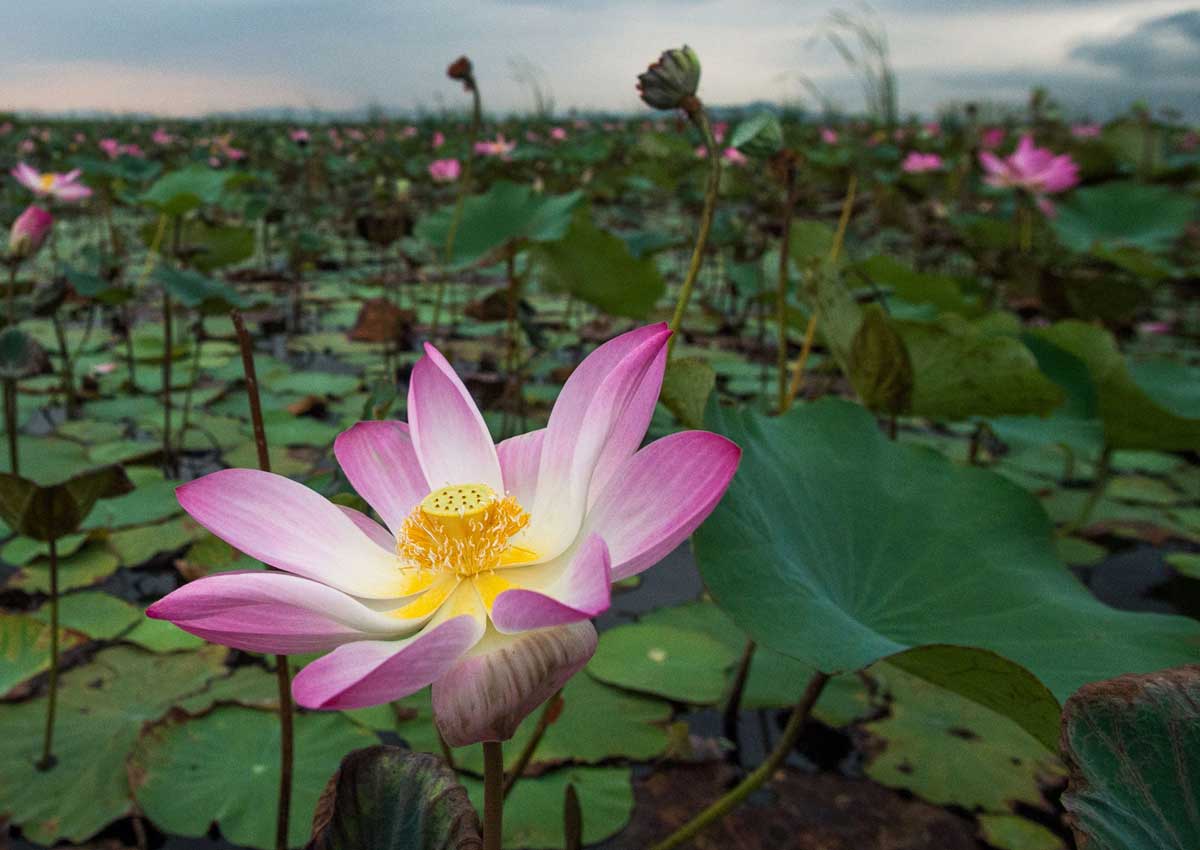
[
  {"x": 686, "y": 386},
  {"x": 178, "y": 192},
  {"x": 134, "y": 546},
  {"x": 1013, "y": 832},
  {"x": 386, "y": 798},
  {"x": 101, "y": 709},
  {"x": 506, "y": 213},
  {"x": 25, "y": 648},
  {"x": 962, "y": 370},
  {"x": 596, "y": 267},
  {"x": 839, "y": 547},
  {"x": 1132, "y": 745},
  {"x": 49, "y": 512},
  {"x": 216, "y": 246},
  {"x": 533, "y": 813},
  {"x": 153, "y": 499},
  {"x": 930, "y": 733},
  {"x": 1154, "y": 405},
  {"x": 1122, "y": 214},
  {"x": 228, "y": 760}
]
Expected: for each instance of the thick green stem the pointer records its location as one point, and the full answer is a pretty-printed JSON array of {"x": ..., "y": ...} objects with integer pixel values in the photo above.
[
  {"x": 282, "y": 672},
  {"x": 464, "y": 188},
  {"x": 10, "y": 425},
  {"x": 760, "y": 775},
  {"x": 48, "y": 759},
  {"x": 699, "y": 117},
  {"x": 68, "y": 369},
  {"x": 733, "y": 707},
  {"x": 493, "y": 795}
]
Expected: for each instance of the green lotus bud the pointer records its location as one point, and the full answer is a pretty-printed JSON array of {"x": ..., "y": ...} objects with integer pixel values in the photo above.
[{"x": 671, "y": 82}]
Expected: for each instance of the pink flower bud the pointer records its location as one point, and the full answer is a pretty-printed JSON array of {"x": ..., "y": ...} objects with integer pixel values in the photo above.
[{"x": 29, "y": 232}]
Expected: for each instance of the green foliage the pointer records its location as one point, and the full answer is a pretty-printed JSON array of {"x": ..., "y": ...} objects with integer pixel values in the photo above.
[
  {"x": 896, "y": 548},
  {"x": 1133, "y": 748}
]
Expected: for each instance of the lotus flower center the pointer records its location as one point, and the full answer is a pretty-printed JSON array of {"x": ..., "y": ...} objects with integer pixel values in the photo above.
[
  {"x": 46, "y": 181},
  {"x": 464, "y": 529}
]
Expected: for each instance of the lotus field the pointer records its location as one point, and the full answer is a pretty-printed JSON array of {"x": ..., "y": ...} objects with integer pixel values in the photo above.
[{"x": 701, "y": 478}]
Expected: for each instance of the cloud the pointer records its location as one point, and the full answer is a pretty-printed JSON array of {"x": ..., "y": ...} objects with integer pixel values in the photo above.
[{"x": 1164, "y": 46}]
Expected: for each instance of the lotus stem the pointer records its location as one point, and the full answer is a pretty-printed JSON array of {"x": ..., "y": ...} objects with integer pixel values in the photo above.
[
  {"x": 835, "y": 251},
  {"x": 464, "y": 188},
  {"x": 699, "y": 117},
  {"x": 48, "y": 760},
  {"x": 283, "y": 676},
  {"x": 531, "y": 747},
  {"x": 10, "y": 424},
  {"x": 734, "y": 706},
  {"x": 493, "y": 795},
  {"x": 760, "y": 775},
  {"x": 572, "y": 819}
]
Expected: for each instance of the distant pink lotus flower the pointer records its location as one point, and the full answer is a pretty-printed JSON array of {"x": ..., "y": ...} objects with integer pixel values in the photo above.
[
  {"x": 439, "y": 139},
  {"x": 27, "y": 146},
  {"x": 1035, "y": 170},
  {"x": 733, "y": 156},
  {"x": 932, "y": 129},
  {"x": 299, "y": 135},
  {"x": 6, "y": 128},
  {"x": 1154, "y": 328},
  {"x": 531, "y": 136},
  {"x": 111, "y": 148},
  {"x": 104, "y": 368},
  {"x": 493, "y": 559},
  {"x": 409, "y": 132},
  {"x": 719, "y": 129},
  {"x": 28, "y": 233},
  {"x": 919, "y": 163},
  {"x": 161, "y": 137},
  {"x": 1086, "y": 131},
  {"x": 499, "y": 146},
  {"x": 64, "y": 187},
  {"x": 992, "y": 138},
  {"x": 559, "y": 134},
  {"x": 445, "y": 170},
  {"x": 829, "y": 136}
]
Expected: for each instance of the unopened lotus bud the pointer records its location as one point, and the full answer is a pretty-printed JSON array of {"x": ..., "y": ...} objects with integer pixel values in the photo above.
[
  {"x": 487, "y": 694},
  {"x": 462, "y": 70},
  {"x": 671, "y": 82},
  {"x": 29, "y": 233}
]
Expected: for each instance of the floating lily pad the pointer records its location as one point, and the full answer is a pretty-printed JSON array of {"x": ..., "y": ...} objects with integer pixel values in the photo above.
[
  {"x": 228, "y": 760},
  {"x": 25, "y": 649},
  {"x": 101, "y": 709},
  {"x": 533, "y": 813}
]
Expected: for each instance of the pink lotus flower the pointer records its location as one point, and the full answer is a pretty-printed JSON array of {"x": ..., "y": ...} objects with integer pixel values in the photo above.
[
  {"x": 409, "y": 132},
  {"x": 499, "y": 146},
  {"x": 558, "y": 134},
  {"x": 493, "y": 558},
  {"x": 299, "y": 135},
  {"x": 733, "y": 156},
  {"x": 64, "y": 187},
  {"x": 719, "y": 129},
  {"x": 111, "y": 148},
  {"x": 28, "y": 233},
  {"x": 1086, "y": 131},
  {"x": 445, "y": 170},
  {"x": 439, "y": 139},
  {"x": 919, "y": 163},
  {"x": 161, "y": 137},
  {"x": 991, "y": 138},
  {"x": 1033, "y": 169},
  {"x": 828, "y": 136}
]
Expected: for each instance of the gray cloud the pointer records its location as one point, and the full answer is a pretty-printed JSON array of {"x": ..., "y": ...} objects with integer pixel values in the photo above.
[{"x": 1166, "y": 46}]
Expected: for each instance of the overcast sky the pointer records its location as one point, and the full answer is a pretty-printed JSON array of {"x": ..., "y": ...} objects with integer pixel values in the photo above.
[{"x": 186, "y": 57}]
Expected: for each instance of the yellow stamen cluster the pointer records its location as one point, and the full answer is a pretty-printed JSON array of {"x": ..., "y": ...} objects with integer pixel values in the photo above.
[
  {"x": 46, "y": 181},
  {"x": 464, "y": 529}
]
